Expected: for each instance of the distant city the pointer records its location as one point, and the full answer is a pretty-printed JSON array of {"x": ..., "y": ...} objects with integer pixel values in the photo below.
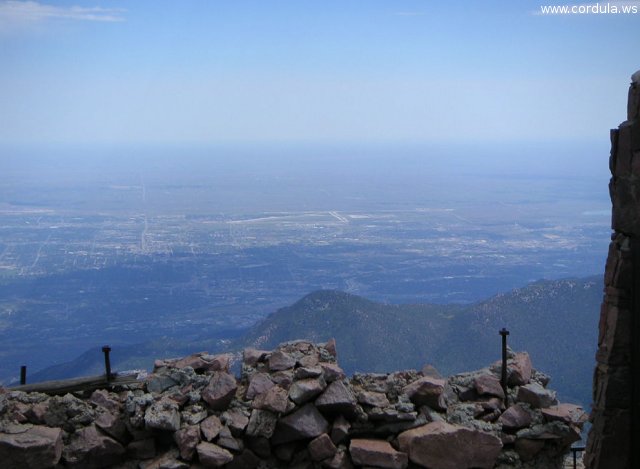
[{"x": 123, "y": 250}]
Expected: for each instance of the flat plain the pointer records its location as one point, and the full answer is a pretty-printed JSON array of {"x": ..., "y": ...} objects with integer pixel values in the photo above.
[{"x": 125, "y": 250}]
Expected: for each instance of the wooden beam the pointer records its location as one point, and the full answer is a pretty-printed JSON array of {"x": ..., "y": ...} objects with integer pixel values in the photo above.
[{"x": 87, "y": 383}]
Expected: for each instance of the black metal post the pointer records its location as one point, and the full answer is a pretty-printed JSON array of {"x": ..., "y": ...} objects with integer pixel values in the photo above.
[
  {"x": 503, "y": 381},
  {"x": 575, "y": 450},
  {"x": 23, "y": 375},
  {"x": 107, "y": 363}
]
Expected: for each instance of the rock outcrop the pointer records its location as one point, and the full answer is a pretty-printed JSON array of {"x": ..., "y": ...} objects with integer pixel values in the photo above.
[
  {"x": 294, "y": 407},
  {"x": 616, "y": 392}
]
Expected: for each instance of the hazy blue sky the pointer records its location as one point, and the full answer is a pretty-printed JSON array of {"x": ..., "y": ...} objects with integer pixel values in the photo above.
[{"x": 364, "y": 71}]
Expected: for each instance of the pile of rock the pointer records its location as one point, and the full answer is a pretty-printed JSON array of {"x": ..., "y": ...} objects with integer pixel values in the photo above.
[{"x": 294, "y": 407}]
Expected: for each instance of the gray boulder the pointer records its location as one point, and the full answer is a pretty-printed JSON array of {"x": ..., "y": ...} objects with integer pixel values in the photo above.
[{"x": 163, "y": 415}]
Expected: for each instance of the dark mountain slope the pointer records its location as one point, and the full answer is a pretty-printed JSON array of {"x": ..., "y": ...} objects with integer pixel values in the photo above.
[
  {"x": 371, "y": 336},
  {"x": 556, "y": 321}
]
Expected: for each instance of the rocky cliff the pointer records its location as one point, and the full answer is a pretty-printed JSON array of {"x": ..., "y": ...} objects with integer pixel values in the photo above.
[
  {"x": 294, "y": 407},
  {"x": 616, "y": 389}
]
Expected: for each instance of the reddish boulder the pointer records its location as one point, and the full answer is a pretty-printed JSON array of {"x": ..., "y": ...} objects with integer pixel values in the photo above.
[
  {"x": 567, "y": 413},
  {"x": 212, "y": 455},
  {"x": 210, "y": 427},
  {"x": 340, "y": 429},
  {"x": 514, "y": 418},
  {"x": 227, "y": 441},
  {"x": 519, "y": 369},
  {"x": 321, "y": 448},
  {"x": 251, "y": 356},
  {"x": 102, "y": 398},
  {"x": 283, "y": 378},
  {"x": 304, "y": 423},
  {"x": 236, "y": 420},
  {"x": 217, "y": 362},
  {"x": 374, "y": 399},
  {"x": 88, "y": 448},
  {"x": 377, "y": 453},
  {"x": 340, "y": 460},
  {"x": 220, "y": 390},
  {"x": 275, "y": 399},
  {"x": 36, "y": 413},
  {"x": 427, "y": 391},
  {"x": 37, "y": 447},
  {"x": 279, "y": 361},
  {"x": 309, "y": 361},
  {"x": 307, "y": 372},
  {"x": 489, "y": 385},
  {"x": 536, "y": 395},
  {"x": 187, "y": 439},
  {"x": 440, "y": 445},
  {"x": 430, "y": 370},
  {"x": 259, "y": 383},
  {"x": 337, "y": 398},
  {"x": 112, "y": 425},
  {"x": 331, "y": 372},
  {"x": 200, "y": 361},
  {"x": 306, "y": 389},
  {"x": 330, "y": 347}
]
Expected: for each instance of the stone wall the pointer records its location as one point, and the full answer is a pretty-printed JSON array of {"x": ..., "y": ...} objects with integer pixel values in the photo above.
[
  {"x": 294, "y": 407},
  {"x": 610, "y": 441}
]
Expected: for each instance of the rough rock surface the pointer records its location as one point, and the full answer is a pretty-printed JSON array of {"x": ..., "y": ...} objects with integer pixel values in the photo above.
[
  {"x": 377, "y": 453},
  {"x": 292, "y": 407},
  {"x": 519, "y": 371},
  {"x": 427, "y": 391},
  {"x": 439, "y": 445},
  {"x": 610, "y": 443},
  {"x": 220, "y": 390},
  {"x": 536, "y": 395},
  {"x": 88, "y": 448},
  {"x": 163, "y": 415},
  {"x": 212, "y": 455},
  {"x": 337, "y": 398},
  {"x": 489, "y": 385},
  {"x": 36, "y": 447},
  {"x": 514, "y": 418},
  {"x": 322, "y": 448},
  {"x": 306, "y": 422}
]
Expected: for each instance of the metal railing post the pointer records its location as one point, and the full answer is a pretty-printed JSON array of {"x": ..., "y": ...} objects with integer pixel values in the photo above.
[
  {"x": 107, "y": 363},
  {"x": 503, "y": 380},
  {"x": 575, "y": 450}
]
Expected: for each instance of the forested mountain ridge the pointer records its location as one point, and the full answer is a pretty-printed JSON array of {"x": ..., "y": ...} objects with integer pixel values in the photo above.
[{"x": 554, "y": 320}]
